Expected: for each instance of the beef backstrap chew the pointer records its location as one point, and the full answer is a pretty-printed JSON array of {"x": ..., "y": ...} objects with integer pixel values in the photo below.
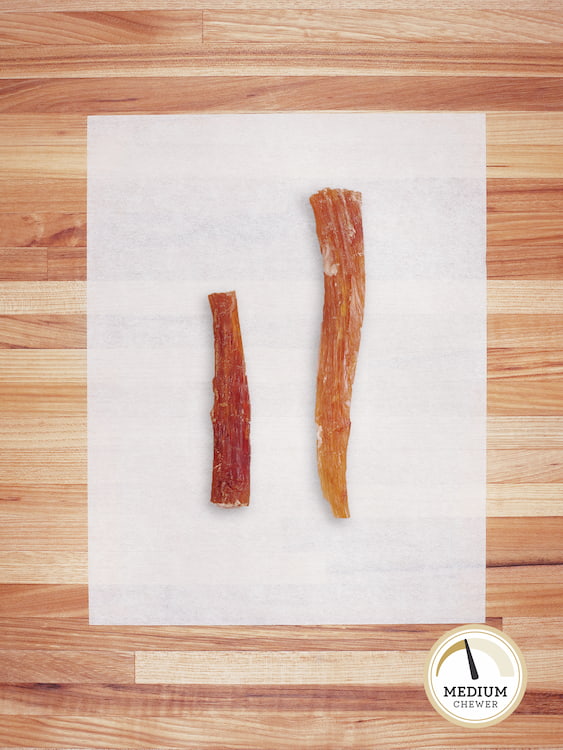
[
  {"x": 338, "y": 217},
  {"x": 230, "y": 414}
]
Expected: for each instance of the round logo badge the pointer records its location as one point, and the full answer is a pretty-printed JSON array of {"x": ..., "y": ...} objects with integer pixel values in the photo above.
[{"x": 475, "y": 676}]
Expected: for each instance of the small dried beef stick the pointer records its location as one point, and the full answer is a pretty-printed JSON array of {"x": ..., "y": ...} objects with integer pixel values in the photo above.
[
  {"x": 230, "y": 414},
  {"x": 338, "y": 216}
]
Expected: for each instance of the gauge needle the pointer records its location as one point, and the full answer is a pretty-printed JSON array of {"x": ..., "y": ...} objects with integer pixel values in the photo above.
[{"x": 472, "y": 667}]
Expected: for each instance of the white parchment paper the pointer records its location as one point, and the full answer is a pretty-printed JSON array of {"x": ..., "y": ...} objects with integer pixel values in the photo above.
[{"x": 182, "y": 206}]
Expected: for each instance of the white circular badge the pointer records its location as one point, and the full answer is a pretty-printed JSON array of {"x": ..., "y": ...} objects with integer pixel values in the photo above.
[{"x": 475, "y": 676}]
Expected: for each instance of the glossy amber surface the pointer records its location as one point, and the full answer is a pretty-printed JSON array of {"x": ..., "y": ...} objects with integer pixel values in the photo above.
[
  {"x": 230, "y": 414},
  {"x": 338, "y": 216}
]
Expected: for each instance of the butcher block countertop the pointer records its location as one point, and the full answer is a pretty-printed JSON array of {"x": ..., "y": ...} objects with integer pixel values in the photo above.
[{"x": 65, "y": 684}]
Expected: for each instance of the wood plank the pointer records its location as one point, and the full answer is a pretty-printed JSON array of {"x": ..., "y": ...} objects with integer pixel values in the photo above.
[
  {"x": 44, "y": 567},
  {"x": 70, "y": 634},
  {"x": 43, "y": 298},
  {"x": 66, "y": 666},
  {"x": 545, "y": 669},
  {"x": 121, "y": 5},
  {"x": 274, "y": 730},
  {"x": 43, "y": 129},
  {"x": 310, "y": 58},
  {"x": 533, "y": 331},
  {"x": 66, "y": 264},
  {"x": 312, "y": 668},
  {"x": 42, "y": 230},
  {"x": 59, "y": 398},
  {"x": 535, "y": 632},
  {"x": 524, "y": 365},
  {"x": 524, "y": 541},
  {"x": 34, "y": 498},
  {"x": 27, "y": 699},
  {"x": 278, "y": 93},
  {"x": 279, "y": 668},
  {"x": 62, "y": 600},
  {"x": 516, "y": 262},
  {"x": 178, "y": 700},
  {"x": 422, "y": 25},
  {"x": 33, "y": 531},
  {"x": 523, "y": 575},
  {"x": 523, "y": 499},
  {"x": 523, "y": 433},
  {"x": 540, "y": 701},
  {"x": 20, "y": 532},
  {"x": 519, "y": 128},
  {"x": 42, "y": 368},
  {"x": 529, "y": 230},
  {"x": 526, "y": 599},
  {"x": 33, "y": 170},
  {"x": 524, "y": 465},
  {"x": 43, "y": 194},
  {"x": 38, "y": 465},
  {"x": 509, "y": 194},
  {"x": 530, "y": 297},
  {"x": 222, "y": 667},
  {"x": 42, "y": 331},
  {"x": 525, "y": 161},
  {"x": 127, "y": 27},
  {"x": 23, "y": 264},
  {"x": 55, "y": 160},
  {"x": 520, "y": 396},
  {"x": 33, "y": 432}
]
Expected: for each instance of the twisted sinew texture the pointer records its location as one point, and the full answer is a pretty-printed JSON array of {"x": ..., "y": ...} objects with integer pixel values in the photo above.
[
  {"x": 338, "y": 219},
  {"x": 230, "y": 414}
]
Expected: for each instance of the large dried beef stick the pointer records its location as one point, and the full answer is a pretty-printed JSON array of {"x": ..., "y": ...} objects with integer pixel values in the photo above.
[
  {"x": 230, "y": 414},
  {"x": 338, "y": 219}
]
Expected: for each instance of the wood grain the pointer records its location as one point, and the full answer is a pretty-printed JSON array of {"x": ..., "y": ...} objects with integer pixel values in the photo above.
[
  {"x": 64, "y": 683},
  {"x": 121, "y": 5},
  {"x": 279, "y": 667},
  {"x": 65, "y": 666},
  {"x": 42, "y": 332},
  {"x": 23, "y": 264},
  {"x": 524, "y": 541},
  {"x": 536, "y": 632},
  {"x": 523, "y": 433},
  {"x": 43, "y": 230},
  {"x": 424, "y": 24},
  {"x": 215, "y": 93},
  {"x": 74, "y": 633},
  {"x": 273, "y": 730},
  {"x": 128, "y": 27},
  {"x": 311, "y": 58},
  {"x": 531, "y": 297},
  {"x": 512, "y": 195},
  {"x": 26, "y": 600},
  {"x": 523, "y": 499}
]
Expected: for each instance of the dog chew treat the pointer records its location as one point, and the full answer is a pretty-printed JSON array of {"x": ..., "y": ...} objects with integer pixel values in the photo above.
[
  {"x": 338, "y": 217},
  {"x": 230, "y": 414}
]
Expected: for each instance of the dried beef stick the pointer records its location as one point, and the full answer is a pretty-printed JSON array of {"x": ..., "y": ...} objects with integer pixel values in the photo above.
[
  {"x": 338, "y": 217},
  {"x": 230, "y": 414}
]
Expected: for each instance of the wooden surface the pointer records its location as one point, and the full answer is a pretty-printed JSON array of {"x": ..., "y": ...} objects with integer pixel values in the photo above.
[{"x": 65, "y": 684}]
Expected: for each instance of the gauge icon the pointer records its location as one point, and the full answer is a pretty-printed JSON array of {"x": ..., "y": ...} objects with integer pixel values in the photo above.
[{"x": 475, "y": 676}]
